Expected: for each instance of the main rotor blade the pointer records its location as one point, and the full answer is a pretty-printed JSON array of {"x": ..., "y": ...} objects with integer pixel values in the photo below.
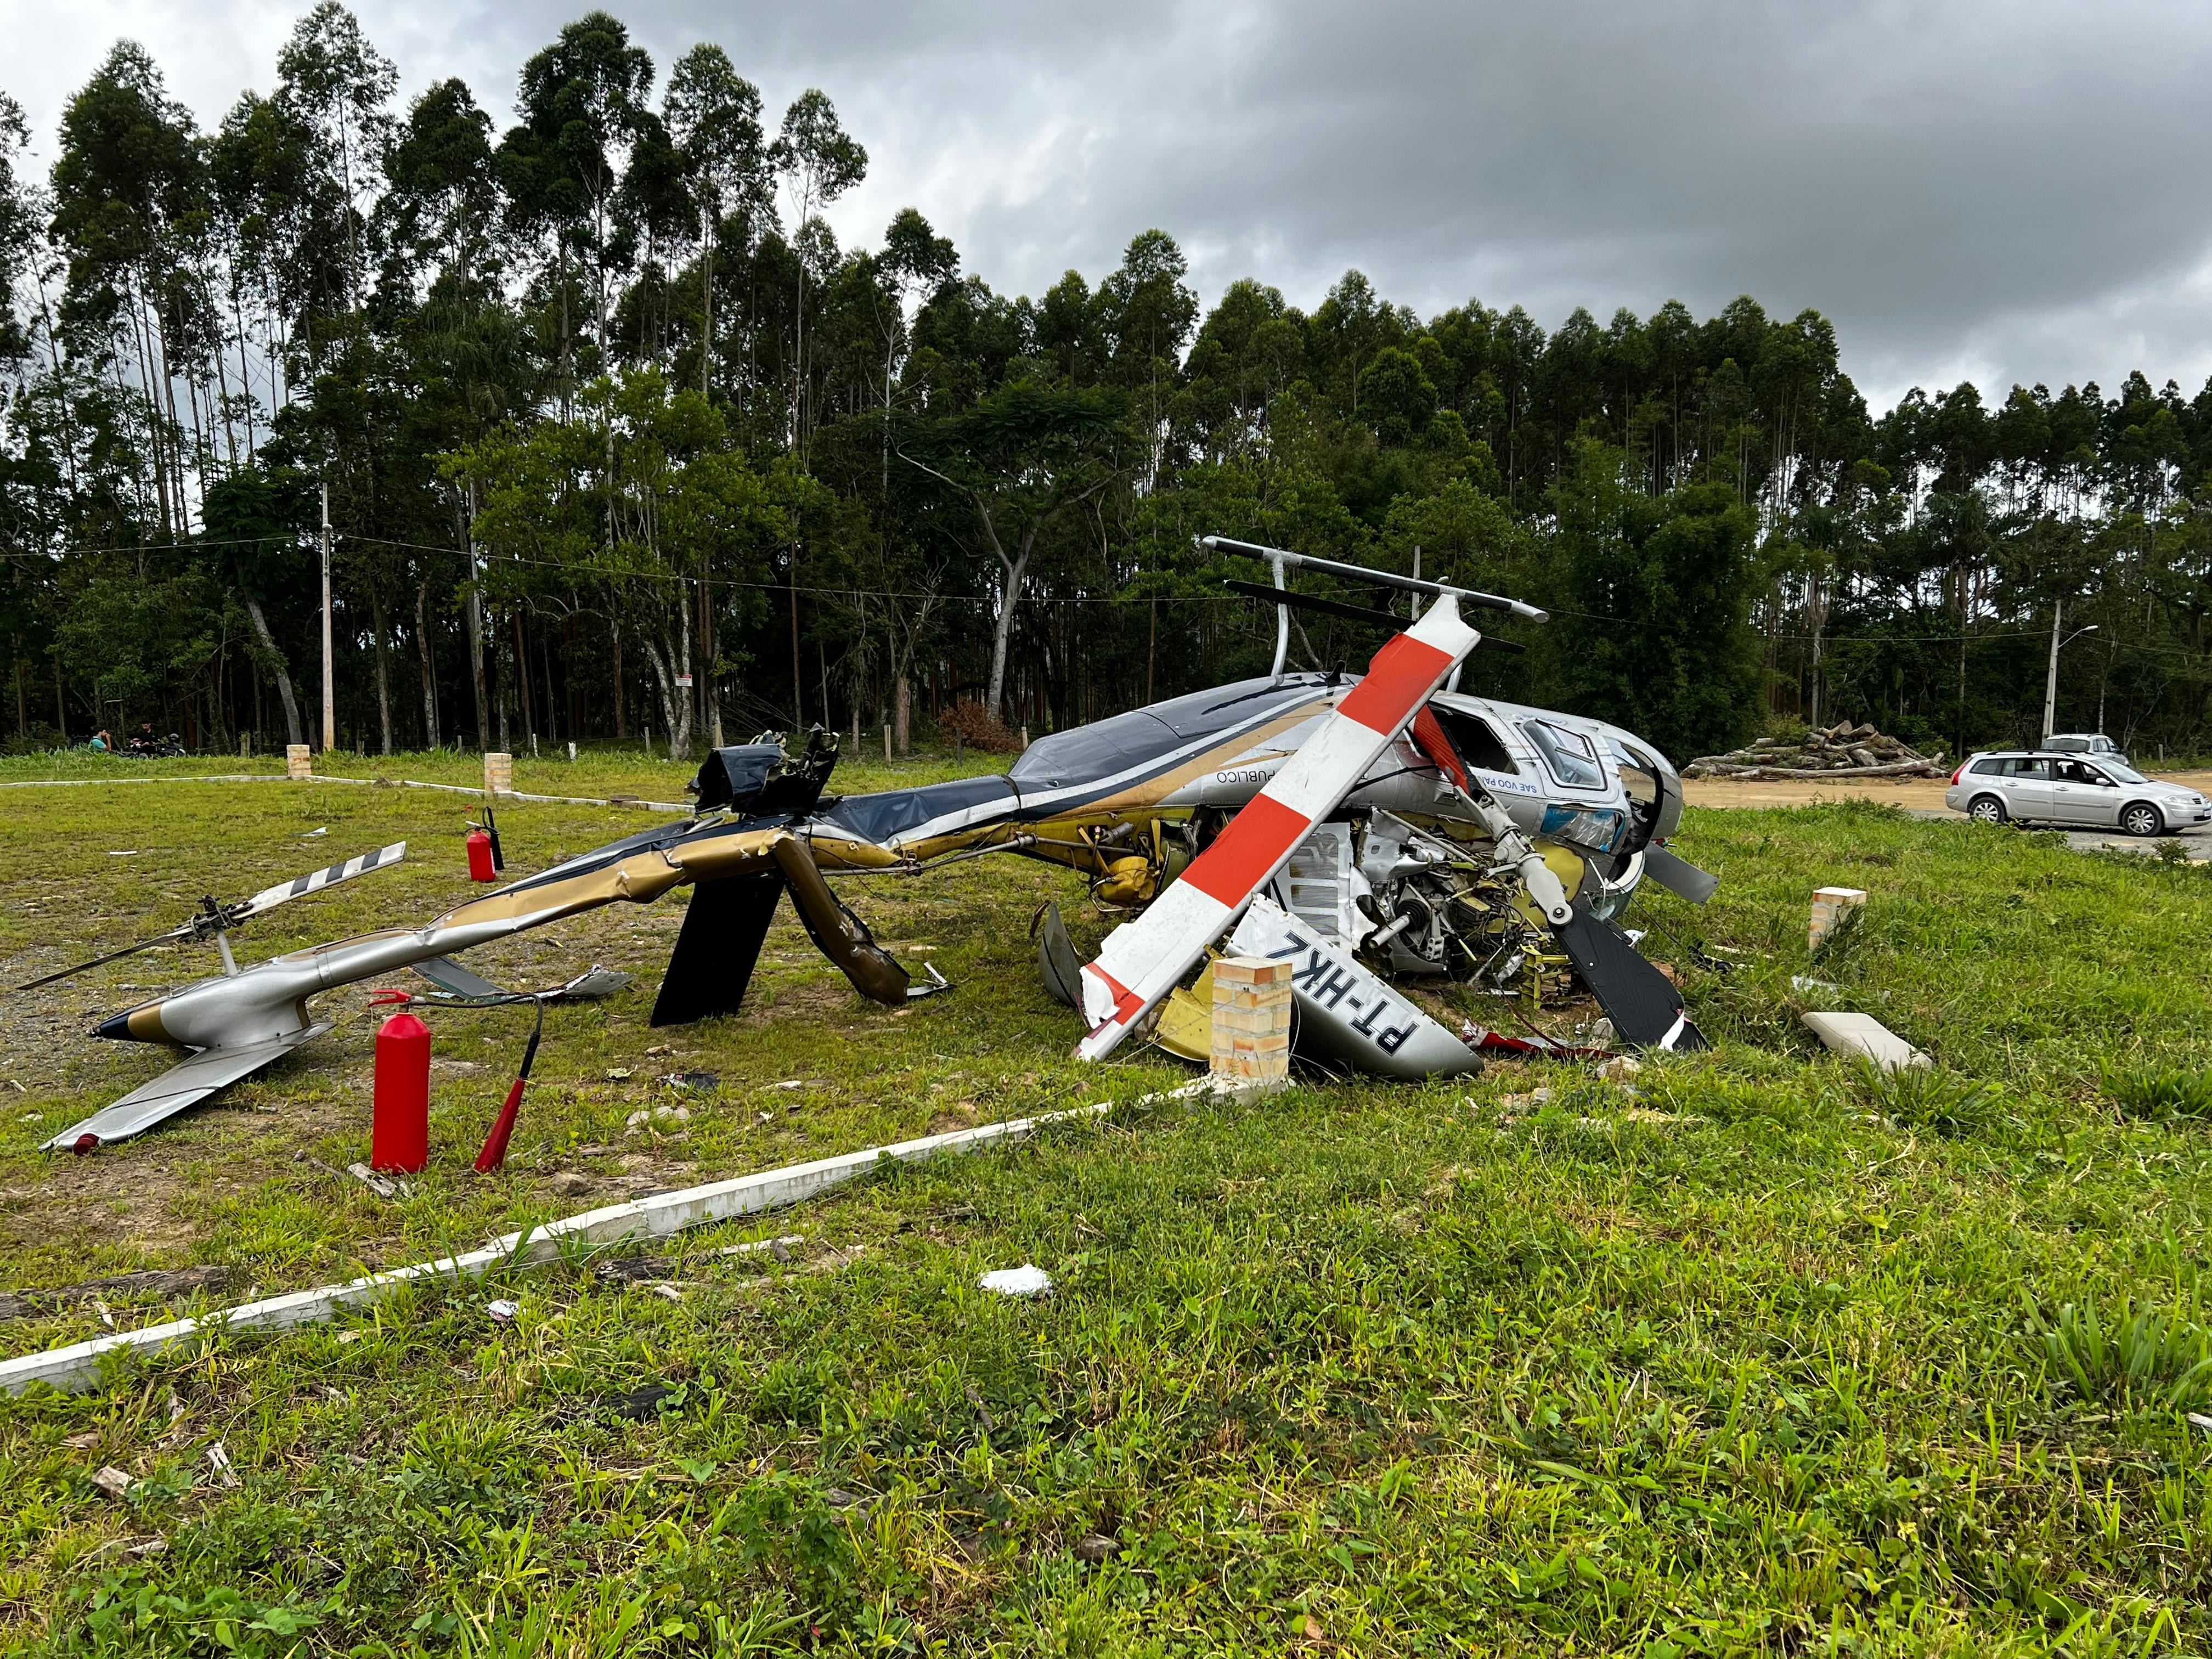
[
  {"x": 267, "y": 899},
  {"x": 112, "y": 955},
  {"x": 270, "y": 897}
]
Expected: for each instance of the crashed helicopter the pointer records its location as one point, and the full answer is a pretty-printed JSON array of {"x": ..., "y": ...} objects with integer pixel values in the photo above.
[{"x": 1379, "y": 830}]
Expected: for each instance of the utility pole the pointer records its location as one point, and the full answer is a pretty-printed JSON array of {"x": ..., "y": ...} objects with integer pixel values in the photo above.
[
  {"x": 2051, "y": 683},
  {"x": 330, "y": 671}
]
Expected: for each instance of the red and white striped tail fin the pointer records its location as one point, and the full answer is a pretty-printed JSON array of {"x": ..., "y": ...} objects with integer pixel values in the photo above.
[{"x": 1143, "y": 960}]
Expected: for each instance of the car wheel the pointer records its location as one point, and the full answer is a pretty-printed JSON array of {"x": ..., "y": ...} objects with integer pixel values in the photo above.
[
  {"x": 1986, "y": 809},
  {"x": 2142, "y": 818}
]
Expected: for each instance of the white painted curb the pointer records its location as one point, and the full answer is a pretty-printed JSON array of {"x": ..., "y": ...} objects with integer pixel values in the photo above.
[{"x": 80, "y": 1366}]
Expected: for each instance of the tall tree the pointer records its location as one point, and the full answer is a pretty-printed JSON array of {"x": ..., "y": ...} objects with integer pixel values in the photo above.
[
  {"x": 1021, "y": 459},
  {"x": 712, "y": 114},
  {"x": 819, "y": 162}
]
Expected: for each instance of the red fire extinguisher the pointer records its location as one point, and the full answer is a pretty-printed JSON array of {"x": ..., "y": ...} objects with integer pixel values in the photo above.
[
  {"x": 485, "y": 863},
  {"x": 399, "y": 1131}
]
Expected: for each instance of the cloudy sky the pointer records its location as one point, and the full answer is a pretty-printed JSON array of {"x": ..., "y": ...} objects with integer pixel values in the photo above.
[{"x": 1994, "y": 192}]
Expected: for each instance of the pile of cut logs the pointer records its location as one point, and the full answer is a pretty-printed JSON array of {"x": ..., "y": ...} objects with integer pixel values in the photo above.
[{"x": 1843, "y": 751}]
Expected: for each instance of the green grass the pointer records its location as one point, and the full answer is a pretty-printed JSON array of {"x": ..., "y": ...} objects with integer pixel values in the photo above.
[{"x": 1771, "y": 1356}]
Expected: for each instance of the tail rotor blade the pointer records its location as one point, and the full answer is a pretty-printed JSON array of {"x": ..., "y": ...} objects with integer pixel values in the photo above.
[{"x": 270, "y": 897}]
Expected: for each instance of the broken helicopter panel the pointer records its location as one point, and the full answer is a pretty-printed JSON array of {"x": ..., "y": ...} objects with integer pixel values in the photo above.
[{"x": 1376, "y": 828}]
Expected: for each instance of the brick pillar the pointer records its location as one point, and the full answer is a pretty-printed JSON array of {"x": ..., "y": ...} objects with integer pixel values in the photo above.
[
  {"x": 1830, "y": 906},
  {"x": 498, "y": 774},
  {"x": 299, "y": 761},
  {"x": 1251, "y": 1019}
]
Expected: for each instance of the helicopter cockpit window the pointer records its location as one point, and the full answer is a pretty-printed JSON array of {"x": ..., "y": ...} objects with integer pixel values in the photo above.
[
  {"x": 1571, "y": 756},
  {"x": 1639, "y": 781},
  {"x": 1639, "y": 776},
  {"x": 1476, "y": 741}
]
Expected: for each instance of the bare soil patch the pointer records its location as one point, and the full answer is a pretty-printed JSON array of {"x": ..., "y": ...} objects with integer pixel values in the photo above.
[{"x": 1915, "y": 792}]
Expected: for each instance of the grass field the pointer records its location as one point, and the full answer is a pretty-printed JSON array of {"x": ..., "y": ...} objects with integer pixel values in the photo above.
[{"x": 1764, "y": 1356}]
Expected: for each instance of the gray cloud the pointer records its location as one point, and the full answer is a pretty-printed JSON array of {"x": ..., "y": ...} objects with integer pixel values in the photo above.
[{"x": 1997, "y": 192}]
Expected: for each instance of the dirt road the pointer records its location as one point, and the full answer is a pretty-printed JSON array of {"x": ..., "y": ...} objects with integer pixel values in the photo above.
[{"x": 1925, "y": 794}]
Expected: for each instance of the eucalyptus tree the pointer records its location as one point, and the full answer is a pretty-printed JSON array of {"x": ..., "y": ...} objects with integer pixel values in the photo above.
[
  {"x": 262, "y": 172},
  {"x": 338, "y": 87},
  {"x": 819, "y": 162},
  {"x": 712, "y": 116},
  {"x": 441, "y": 212},
  {"x": 1020, "y": 459},
  {"x": 1147, "y": 311},
  {"x": 614, "y": 511},
  {"x": 128, "y": 183},
  {"x": 581, "y": 100}
]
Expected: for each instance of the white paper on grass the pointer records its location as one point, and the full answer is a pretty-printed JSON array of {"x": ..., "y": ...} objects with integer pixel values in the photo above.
[{"x": 1024, "y": 1280}]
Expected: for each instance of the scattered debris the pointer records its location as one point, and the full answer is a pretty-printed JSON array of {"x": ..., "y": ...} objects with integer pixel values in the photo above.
[
  {"x": 163, "y": 1282},
  {"x": 84, "y": 1442},
  {"x": 382, "y": 1186},
  {"x": 2198, "y": 1420},
  {"x": 219, "y": 1457},
  {"x": 647, "y": 1269},
  {"x": 1622, "y": 1068},
  {"x": 1523, "y": 1102},
  {"x": 569, "y": 1184},
  {"x": 668, "y": 1292},
  {"x": 1839, "y": 751},
  {"x": 859, "y": 1503},
  {"x": 116, "y": 1483},
  {"x": 618, "y": 1074},
  {"x": 698, "y": 1082},
  {"x": 87, "y": 1364},
  {"x": 1802, "y": 982},
  {"x": 633, "y": 1270},
  {"x": 503, "y": 1312},
  {"x": 1868, "y": 1038},
  {"x": 1096, "y": 1548},
  {"x": 151, "y": 1546},
  {"x": 1024, "y": 1280},
  {"x": 982, "y": 1411},
  {"x": 640, "y": 1404}
]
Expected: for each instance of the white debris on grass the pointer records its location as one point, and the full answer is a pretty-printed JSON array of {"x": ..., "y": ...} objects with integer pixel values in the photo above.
[
  {"x": 503, "y": 1311},
  {"x": 1024, "y": 1280},
  {"x": 1865, "y": 1037}
]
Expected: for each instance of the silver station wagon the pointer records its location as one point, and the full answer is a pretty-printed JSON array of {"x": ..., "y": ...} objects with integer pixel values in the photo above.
[{"x": 2078, "y": 791}]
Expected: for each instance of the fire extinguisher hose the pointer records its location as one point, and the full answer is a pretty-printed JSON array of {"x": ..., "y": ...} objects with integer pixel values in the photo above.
[{"x": 494, "y": 1147}]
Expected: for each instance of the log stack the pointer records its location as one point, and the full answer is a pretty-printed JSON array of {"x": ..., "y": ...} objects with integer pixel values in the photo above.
[{"x": 1842, "y": 750}]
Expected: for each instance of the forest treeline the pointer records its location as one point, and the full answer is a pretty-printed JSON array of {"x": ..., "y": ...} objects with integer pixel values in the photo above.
[{"x": 616, "y": 439}]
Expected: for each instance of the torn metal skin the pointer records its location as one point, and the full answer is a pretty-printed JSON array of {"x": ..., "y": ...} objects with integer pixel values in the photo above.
[{"x": 1481, "y": 835}]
